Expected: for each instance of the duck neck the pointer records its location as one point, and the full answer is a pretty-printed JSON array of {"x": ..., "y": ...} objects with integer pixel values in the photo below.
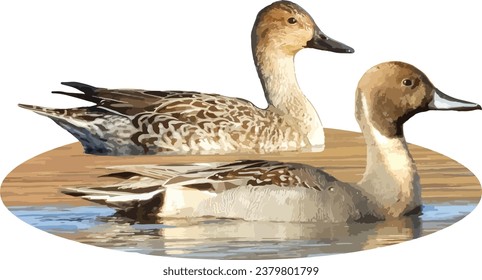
[
  {"x": 391, "y": 180},
  {"x": 276, "y": 71}
]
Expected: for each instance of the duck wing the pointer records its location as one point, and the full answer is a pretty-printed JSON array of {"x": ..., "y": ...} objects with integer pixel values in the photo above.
[
  {"x": 212, "y": 177},
  {"x": 221, "y": 177},
  {"x": 130, "y": 102},
  {"x": 248, "y": 189},
  {"x": 139, "y": 185}
]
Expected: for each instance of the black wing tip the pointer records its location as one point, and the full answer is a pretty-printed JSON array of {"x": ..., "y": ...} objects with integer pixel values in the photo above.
[
  {"x": 85, "y": 88},
  {"x": 72, "y": 192},
  {"x": 88, "y": 91},
  {"x": 76, "y": 84}
]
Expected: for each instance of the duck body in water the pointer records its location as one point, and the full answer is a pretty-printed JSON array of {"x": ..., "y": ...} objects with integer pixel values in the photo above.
[{"x": 138, "y": 122}]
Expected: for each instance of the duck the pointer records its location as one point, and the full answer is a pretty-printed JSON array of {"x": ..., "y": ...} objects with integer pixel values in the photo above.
[
  {"x": 387, "y": 96},
  {"x": 147, "y": 122}
]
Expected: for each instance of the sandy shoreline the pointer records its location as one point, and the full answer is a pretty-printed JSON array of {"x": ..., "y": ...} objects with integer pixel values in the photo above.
[{"x": 38, "y": 180}]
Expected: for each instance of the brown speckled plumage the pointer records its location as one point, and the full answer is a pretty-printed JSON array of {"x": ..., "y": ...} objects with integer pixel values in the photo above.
[{"x": 152, "y": 122}]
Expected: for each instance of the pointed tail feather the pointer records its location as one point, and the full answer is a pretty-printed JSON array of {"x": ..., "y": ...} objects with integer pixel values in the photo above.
[
  {"x": 80, "y": 122},
  {"x": 74, "y": 116},
  {"x": 121, "y": 201},
  {"x": 49, "y": 112},
  {"x": 142, "y": 207},
  {"x": 85, "y": 88},
  {"x": 79, "y": 96},
  {"x": 87, "y": 95}
]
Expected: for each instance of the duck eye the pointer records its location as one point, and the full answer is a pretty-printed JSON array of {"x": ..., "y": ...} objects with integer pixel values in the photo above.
[
  {"x": 292, "y": 20},
  {"x": 407, "y": 82}
]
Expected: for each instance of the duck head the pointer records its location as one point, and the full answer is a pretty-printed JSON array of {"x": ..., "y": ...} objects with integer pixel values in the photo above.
[
  {"x": 390, "y": 93},
  {"x": 286, "y": 27}
]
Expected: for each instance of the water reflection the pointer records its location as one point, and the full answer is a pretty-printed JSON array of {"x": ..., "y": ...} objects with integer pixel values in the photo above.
[{"x": 235, "y": 239}]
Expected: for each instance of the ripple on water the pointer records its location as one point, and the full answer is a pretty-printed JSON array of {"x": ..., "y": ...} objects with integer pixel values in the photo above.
[{"x": 234, "y": 239}]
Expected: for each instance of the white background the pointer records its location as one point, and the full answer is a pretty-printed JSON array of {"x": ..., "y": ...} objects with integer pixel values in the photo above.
[{"x": 205, "y": 46}]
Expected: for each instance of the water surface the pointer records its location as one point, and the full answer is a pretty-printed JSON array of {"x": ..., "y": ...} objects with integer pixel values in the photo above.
[{"x": 234, "y": 239}]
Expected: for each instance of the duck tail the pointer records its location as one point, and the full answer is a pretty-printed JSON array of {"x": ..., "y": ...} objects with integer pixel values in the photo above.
[
  {"x": 72, "y": 115},
  {"x": 140, "y": 206},
  {"x": 88, "y": 91},
  {"x": 44, "y": 111},
  {"x": 120, "y": 200},
  {"x": 78, "y": 122},
  {"x": 134, "y": 191}
]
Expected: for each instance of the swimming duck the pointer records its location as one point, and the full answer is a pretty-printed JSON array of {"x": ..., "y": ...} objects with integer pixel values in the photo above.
[
  {"x": 387, "y": 96},
  {"x": 136, "y": 122}
]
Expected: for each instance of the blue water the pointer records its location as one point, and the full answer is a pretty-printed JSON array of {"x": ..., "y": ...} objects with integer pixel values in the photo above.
[
  {"x": 61, "y": 219},
  {"x": 234, "y": 239},
  {"x": 446, "y": 212}
]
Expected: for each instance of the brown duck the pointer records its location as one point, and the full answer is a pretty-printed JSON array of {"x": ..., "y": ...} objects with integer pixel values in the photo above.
[{"x": 136, "y": 122}]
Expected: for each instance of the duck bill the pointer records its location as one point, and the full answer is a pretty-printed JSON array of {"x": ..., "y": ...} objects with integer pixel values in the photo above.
[
  {"x": 442, "y": 101},
  {"x": 322, "y": 42}
]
